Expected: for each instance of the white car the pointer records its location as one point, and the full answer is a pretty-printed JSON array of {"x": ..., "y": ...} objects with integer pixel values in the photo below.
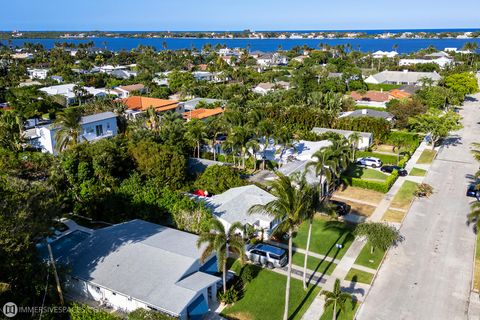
[{"x": 369, "y": 162}]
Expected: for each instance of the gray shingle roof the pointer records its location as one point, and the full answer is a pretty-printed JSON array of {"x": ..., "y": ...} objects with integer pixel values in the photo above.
[
  {"x": 142, "y": 260},
  {"x": 233, "y": 204},
  {"x": 370, "y": 113},
  {"x": 407, "y": 77}
]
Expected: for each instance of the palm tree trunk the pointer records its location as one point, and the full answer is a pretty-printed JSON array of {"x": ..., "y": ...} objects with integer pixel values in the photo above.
[
  {"x": 198, "y": 146},
  {"x": 289, "y": 275},
  {"x": 306, "y": 255},
  {"x": 243, "y": 158},
  {"x": 334, "y": 310},
  {"x": 214, "y": 152},
  {"x": 225, "y": 276}
]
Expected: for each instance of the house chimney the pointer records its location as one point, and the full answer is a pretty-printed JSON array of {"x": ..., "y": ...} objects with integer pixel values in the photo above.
[{"x": 364, "y": 111}]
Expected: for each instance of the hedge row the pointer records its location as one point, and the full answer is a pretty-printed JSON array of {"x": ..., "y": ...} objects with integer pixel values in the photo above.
[{"x": 383, "y": 187}]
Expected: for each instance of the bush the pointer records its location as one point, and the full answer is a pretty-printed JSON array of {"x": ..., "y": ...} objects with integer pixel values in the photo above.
[
  {"x": 143, "y": 314},
  {"x": 84, "y": 312},
  {"x": 217, "y": 179},
  {"x": 230, "y": 296},
  {"x": 249, "y": 272},
  {"x": 383, "y": 187}
]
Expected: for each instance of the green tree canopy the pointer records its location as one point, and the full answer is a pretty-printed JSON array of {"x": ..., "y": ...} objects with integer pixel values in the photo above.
[
  {"x": 379, "y": 235},
  {"x": 217, "y": 179},
  {"x": 436, "y": 123}
]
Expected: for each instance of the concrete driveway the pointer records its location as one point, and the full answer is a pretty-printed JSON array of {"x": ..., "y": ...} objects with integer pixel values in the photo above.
[{"x": 429, "y": 275}]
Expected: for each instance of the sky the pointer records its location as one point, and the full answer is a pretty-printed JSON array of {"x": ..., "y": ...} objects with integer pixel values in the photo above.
[{"x": 177, "y": 15}]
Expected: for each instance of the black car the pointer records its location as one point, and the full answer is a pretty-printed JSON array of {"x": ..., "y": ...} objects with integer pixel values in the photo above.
[
  {"x": 389, "y": 169},
  {"x": 473, "y": 192},
  {"x": 340, "y": 207}
]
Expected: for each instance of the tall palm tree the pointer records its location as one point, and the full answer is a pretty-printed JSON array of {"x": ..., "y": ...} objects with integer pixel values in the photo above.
[
  {"x": 69, "y": 129},
  {"x": 222, "y": 241},
  {"x": 196, "y": 134},
  {"x": 337, "y": 298},
  {"x": 289, "y": 208},
  {"x": 474, "y": 215},
  {"x": 253, "y": 147},
  {"x": 240, "y": 136},
  {"x": 354, "y": 140},
  {"x": 325, "y": 165}
]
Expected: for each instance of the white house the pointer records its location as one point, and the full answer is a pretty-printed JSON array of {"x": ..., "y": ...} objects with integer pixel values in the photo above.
[
  {"x": 138, "y": 264},
  {"x": 233, "y": 205},
  {"x": 402, "y": 77},
  {"x": 94, "y": 127},
  {"x": 384, "y": 54},
  {"x": 206, "y": 76},
  {"x": 67, "y": 90},
  {"x": 266, "y": 87},
  {"x": 40, "y": 74},
  {"x": 365, "y": 141},
  {"x": 441, "y": 62},
  {"x": 271, "y": 59},
  {"x": 124, "y": 91}
]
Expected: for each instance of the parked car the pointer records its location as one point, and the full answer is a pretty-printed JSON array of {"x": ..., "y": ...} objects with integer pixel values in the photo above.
[
  {"x": 473, "y": 192},
  {"x": 340, "y": 207},
  {"x": 267, "y": 255},
  {"x": 369, "y": 162},
  {"x": 389, "y": 169}
]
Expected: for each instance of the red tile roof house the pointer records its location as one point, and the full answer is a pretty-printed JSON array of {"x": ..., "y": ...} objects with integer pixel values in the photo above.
[
  {"x": 136, "y": 105},
  {"x": 371, "y": 98}
]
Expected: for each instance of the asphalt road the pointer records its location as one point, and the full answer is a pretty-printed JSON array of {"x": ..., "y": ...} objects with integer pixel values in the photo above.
[{"x": 429, "y": 275}]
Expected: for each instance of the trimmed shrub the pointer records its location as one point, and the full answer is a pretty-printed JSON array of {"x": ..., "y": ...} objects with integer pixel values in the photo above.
[
  {"x": 249, "y": 272},
  {"x": 230, "y": 296},
  {"x": 383, "y": 187}
]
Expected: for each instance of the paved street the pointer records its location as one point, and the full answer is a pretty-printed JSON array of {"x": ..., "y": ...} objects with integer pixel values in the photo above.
[{"x": 428, "y": 276}]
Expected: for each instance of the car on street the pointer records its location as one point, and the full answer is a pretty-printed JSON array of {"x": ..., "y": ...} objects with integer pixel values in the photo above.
[
  {"x": 389, "y": 169},
  {"x": 267, "y": 255},
  {"x": 369, "y": 162},
  {"x": 341, "y": 208},
  {"x": 473, "y": 192}
]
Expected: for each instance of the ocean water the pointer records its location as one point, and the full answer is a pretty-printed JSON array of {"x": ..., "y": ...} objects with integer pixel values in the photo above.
[{"x": 266, "y": 45}]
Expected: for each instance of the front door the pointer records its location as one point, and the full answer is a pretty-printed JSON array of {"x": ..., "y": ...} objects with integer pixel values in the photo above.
[{"x": 99, "y": 130}]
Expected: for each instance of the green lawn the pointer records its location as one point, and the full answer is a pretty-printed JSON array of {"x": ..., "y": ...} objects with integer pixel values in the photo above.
[
  {"x": 325, "y": 234},
  {"x": 418, "y": 172},
  {"x": 264, "y": 298},
  {"x": 359, "y": 276},
  {"x": 351, "y": 309},
  {"x": 317, "y": 265},
  {"x": 404, "y": 196},
  {"x": 427, "y": 156},
  {"x": 370, "y": 260},
  {"x": 364, "y": 173}
]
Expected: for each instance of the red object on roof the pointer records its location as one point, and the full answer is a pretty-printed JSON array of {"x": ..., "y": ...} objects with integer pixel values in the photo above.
[{"x": 201, "y": 193}]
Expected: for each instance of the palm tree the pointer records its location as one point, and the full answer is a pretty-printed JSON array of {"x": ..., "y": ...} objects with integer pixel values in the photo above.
[
  {"x": 476, "y": 151},
  {"x": 196, "y": 134},
  {"x": 474, "y": 215},
  {"x": 240, "y": 137},
  {"x": 69, "y": 129},
  {"x": 336, "y": 298},
  {"x": 325, "y": 165},
  {"x": 253, "y": 147},
  {"x": 222, "y": 241},
  {"x": 283, "y": 137},
  {"x": 354, "y": 140},
  {"x": 289, "y": 207}
]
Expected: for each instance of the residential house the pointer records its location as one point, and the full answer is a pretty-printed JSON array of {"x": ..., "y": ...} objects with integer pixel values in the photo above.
[
  {"x": 376, "y": 99},
  {"x": 384, "y": 54},
  {"x": 22, "y": 55},
  {"x": 300, "y": 58},
  {"x": 40, "y": 74},
  {"x": 399, "y": 94},
  {"x": 271, "y": 59},
  {"x": 442, "y": 62},
  {"x": 94, "y": 127},
  {"x": 368, "y": 113},
  {"x": 137, "y": 264},
  {"x": 125, "y": 91},
  {"x": 192, "y": 104},
  {"x": 402, "y": 77},
  {"x": 206, "y": 76},
  {"x": 123, "y": 74},
  {"x": 137, "y": 104},
  {"x": 68, "y": 91},
  {"x": 233, "y": 205},
  {"x": 202, "y": 113},
  {"x": 365, "y": 141},
  {"x": 265, "y": 87},
  {"x": 199, "y": 165}
]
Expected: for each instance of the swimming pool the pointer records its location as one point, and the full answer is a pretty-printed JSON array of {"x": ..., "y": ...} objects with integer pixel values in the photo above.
[{"x": 63, "y": 245}]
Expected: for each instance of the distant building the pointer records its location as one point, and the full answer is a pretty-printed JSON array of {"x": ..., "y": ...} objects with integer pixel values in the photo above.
[
  {"x": 206, "y": 76},
  {"x": 137, "y": 104},
  {"x": 366, "y": 138},
  {"x": 368, "y": 113},
  {"x": 40, "y": 74},
  {"x": 402, "y": 77},
  {"x": 138, "y": 264},
  {"x": 124, "y": 74},
  {"x": 125, "y": 91},
  {"x": 266, "y": 87},
  {"x": 94, "y": 127},
  {"x": 442, "y": 62},
  {"x": 384, "y": 54},
  {"x": 202, "y": 113},
  {"x": 371, "y": 98},
  {"x": 68, "y": 91},
  {"x": 192, "y": 104}
]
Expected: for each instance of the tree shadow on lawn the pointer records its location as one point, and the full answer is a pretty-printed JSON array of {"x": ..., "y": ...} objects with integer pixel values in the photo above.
[{"x": 354, "y": 171}]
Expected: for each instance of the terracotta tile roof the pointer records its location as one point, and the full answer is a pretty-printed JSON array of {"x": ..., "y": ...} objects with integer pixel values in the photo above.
[
  {"x": 202, "y": 113},
  {"x": 133, "y": 87},
  {"x": 399, "y": 94},
  {"x": 143, "y": 103},
  {"x": 376, "y": 96}
]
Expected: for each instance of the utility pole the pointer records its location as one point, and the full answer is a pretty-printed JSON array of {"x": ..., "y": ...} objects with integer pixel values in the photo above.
[{"x": 57, "y": 280}]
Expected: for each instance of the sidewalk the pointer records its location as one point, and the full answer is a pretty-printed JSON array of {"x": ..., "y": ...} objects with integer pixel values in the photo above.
[{"x": 348, "y": 261}]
